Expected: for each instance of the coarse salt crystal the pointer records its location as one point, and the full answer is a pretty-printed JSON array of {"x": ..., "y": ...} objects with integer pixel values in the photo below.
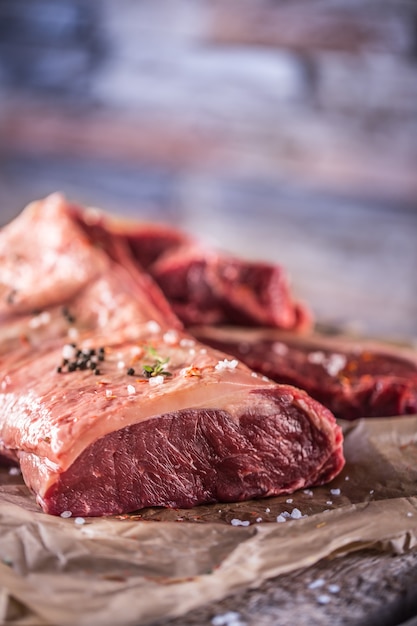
[
  {"x": 289, "y": 501},
  {"x": 335, "y": 492},
  {"x": 14, "y": 471},
  {"x": 121, "y": 365},
  {"x": 279, "y": 348},
  {"x": 187, "y": 343},
  {"x": 68, "y": 351},
  {"x": 308, "y": 492},
  {"x": 131, "y": 390},
  {"x": 258, "y": 519},
  {"x": 171, "y": 337},
  {"x": 281, "y": 518},
  {"x": 372, "y": 491},
  {"x": 316, "y": 357},
  {"x": 323, "y": 598},
  {"x": 333, "y": 588},
  {"x": 155, "y": 381},
  {"x": 335, "y": 363},
  {"x": 254, "y": 375},
  {"x": 226, "y": 364},
  {"x": 316, "y": 584},
  {"x": 347, "y": 478},
  {"x": 40, "y": 320},
  {"x": 329, "y": 502},
  {"x": 72, "y": 333},
  {"x": 239, "y": 522},
  {"x": 231, "y": 618},
  {"x": 109, "y": 393},
  {"x": 296, "y": 514},
  {"x": 66, "y": 514},
  {"x": 153, "y": 327},
  {"x": 267, "y": 510},
  {"x": 79, "y": 521}
]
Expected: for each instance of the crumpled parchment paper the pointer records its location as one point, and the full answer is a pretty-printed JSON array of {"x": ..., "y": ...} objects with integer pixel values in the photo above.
[{"x": 133, "y": 569}]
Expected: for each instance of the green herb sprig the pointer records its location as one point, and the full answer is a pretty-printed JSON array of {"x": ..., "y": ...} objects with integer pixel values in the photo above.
[{"x": 157, "y": 368}]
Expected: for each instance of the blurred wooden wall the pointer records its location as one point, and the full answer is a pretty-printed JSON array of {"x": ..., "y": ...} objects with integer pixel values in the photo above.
[{"x": 281, "y": 129}]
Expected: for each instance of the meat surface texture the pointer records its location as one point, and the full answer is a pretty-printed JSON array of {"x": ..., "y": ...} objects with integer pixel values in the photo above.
[
  {"x": 109, "y": 406},
  {"x": 353, "y": 378},
  {"x": 203, "y": 285}
]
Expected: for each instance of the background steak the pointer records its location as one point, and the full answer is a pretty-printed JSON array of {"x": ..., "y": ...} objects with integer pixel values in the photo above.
[{"x": 352, "y": 378}]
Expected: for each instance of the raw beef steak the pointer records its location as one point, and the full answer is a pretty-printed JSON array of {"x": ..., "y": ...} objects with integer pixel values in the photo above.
[
  {"x": 352, "y": 378},
  {"x": 204, "y": 286},
  {"x": 109, "y": 406}
]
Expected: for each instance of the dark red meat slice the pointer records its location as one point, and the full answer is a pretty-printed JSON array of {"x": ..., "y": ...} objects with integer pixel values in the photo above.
[{"x": 352, "y": 378}]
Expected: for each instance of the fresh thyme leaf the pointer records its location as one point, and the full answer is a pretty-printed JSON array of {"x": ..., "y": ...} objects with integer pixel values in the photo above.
[{"x": 157, "y": 369}]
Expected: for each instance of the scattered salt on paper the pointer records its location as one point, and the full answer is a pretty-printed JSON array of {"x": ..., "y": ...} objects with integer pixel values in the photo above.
[
  {"x": 316, "y": 584},
  {"x": 323, "y": 598},
  {"x": 231, "y": 618}
]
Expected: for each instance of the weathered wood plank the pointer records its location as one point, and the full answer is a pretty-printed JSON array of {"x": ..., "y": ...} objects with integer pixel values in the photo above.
[
  {"x": 325, "y": 25},
  {"x": 370, "y": 588},
  {"x": 336, "y": 156}
]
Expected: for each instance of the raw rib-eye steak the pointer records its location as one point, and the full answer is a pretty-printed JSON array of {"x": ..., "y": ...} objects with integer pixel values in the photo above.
[{"x": 109, "y": 406}]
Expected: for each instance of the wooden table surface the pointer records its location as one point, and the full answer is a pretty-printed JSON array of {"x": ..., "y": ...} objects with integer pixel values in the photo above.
[{"x": 369, "y": 588}]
